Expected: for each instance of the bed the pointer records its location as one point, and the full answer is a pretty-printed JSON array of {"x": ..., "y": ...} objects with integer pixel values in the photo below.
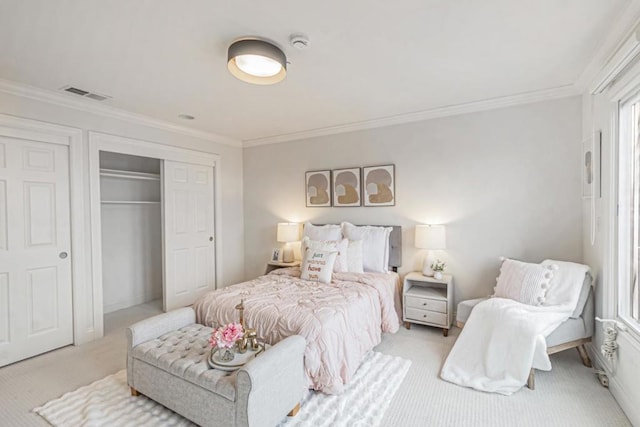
[{"x": 341, "y": 321}]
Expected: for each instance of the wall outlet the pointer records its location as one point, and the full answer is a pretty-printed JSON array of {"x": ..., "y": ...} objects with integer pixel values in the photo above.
[{"x": 604, "y": 380}]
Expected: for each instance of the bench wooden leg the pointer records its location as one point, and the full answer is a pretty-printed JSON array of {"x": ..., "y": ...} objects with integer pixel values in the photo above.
[
  {"x": 134, "y": 392},
  {"x": 586, "y": 361},
  {"x": 531, "y": 382},
  {"x": 294, "y": 411},
  {"x": 407, "y": 325}
]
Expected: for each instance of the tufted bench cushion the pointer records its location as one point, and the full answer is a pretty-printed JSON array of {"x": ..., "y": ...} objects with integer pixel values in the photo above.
[
  {"x": 167, "y": 362},
  {"x": 184, "y": 353}
]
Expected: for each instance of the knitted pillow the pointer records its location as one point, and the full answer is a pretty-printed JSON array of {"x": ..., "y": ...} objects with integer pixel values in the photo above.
[
  {"x": 317, "y": 265},
  {"x": 524, "y": 282}
]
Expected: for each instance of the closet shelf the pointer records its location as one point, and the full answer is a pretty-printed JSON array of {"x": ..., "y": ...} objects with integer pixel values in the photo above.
[
  {"x": 129, "y": 202},
  {"x": 114, "y": 173}
]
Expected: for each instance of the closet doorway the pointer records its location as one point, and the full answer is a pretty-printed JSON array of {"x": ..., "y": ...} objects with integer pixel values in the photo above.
[
  {"x": 131, "y": 212},
  {"x": 153, "y": 211}
]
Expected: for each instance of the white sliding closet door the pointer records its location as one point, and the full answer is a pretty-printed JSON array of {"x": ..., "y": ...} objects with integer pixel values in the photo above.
[
  {"x": 35, "y": 240},
  {"x": 189, "y": 251}
]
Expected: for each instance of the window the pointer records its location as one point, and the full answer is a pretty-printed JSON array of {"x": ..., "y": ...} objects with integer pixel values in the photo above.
[{"x": 629, "y": 210}]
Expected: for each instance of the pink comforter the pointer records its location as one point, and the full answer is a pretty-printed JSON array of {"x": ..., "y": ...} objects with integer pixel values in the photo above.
[{"x": 340, "y": 321}]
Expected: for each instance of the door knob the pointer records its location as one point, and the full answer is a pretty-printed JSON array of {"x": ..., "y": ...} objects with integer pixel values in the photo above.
[{"x": 63, "y": 255}]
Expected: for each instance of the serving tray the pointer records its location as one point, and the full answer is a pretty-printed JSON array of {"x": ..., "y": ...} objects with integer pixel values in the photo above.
[{"x": 238, "y": 361}]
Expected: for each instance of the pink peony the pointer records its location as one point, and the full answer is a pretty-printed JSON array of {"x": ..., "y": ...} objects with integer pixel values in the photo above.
[{"x": 226, "y": 336}]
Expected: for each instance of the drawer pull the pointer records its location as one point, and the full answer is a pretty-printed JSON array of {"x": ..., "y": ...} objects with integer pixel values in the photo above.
[
  {"x": 424, "y": 303},
  {"x": 425, "y": 316}
]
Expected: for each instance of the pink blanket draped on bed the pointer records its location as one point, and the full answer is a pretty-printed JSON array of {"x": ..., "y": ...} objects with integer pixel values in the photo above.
[{"x": 340, "y": 321}]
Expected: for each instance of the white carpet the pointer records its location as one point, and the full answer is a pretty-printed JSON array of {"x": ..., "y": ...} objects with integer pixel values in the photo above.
[
  {"x": 569, "y": 395},
  {"x": 108, "y": 402}
]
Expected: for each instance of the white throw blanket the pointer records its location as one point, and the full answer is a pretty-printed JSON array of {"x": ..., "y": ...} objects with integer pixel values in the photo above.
[{"x": 503, "y": 339}]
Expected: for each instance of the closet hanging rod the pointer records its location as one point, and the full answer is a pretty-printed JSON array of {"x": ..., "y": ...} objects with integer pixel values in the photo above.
[
  {"x": 129, "y": 202},
  {"x": 114, "y": 173}
]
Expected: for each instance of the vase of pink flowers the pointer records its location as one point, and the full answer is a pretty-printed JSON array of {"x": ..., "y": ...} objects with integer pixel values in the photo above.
[{"x": 224, "y": 338}]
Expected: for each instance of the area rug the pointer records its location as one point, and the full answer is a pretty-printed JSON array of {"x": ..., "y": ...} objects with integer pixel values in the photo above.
[{"x": 108, "y": 402}]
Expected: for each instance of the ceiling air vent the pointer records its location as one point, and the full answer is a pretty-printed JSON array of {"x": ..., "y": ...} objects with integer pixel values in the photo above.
[
  {"x": 85, "y": 93},
  {"x": 96, "y": 96}
]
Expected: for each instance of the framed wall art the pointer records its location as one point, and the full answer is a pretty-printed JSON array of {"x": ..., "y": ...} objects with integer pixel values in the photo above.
[
  {"x": 346, "y": 187},
  {"x": 318, "y": 188},
  {"x": 379, "y": 185}
]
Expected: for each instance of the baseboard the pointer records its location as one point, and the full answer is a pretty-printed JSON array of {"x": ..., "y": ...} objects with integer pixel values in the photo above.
[
  {"x": 129, "y": 302},
  {"x": 630, "y": 409}
]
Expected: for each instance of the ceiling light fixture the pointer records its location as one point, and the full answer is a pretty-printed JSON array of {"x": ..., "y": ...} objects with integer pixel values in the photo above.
[{"x": 257, "y": 61}]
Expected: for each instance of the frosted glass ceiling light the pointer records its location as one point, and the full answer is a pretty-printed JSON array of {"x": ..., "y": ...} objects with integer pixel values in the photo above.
[
  {"x": 257, "y": 62},
  {"x": 258, "y": 66}
]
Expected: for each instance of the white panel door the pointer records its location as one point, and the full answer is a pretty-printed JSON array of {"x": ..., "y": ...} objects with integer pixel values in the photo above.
[
  {"x": 35, "y": 240},
  {"x": 189, "y": 252}
]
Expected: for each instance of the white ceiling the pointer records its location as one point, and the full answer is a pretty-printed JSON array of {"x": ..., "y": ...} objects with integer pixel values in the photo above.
[{"x": 369, "y": 59}]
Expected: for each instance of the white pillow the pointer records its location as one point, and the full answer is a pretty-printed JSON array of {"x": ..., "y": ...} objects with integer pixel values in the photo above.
[
  {"x": 354, "y": 256},
  {"x": 524, "y": 282},
  {"x": 341, "y": 265},
  {"x": 317, "y": 265},
  {"x": 322, "y": 232},
  {"x": 375, "y": 245}
]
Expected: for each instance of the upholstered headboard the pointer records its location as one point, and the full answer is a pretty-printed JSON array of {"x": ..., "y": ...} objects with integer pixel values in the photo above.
[{"x": 395, "y": 245}]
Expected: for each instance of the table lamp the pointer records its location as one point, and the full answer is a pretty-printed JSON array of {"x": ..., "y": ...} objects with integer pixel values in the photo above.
[
  {"x": 288, "y": 232},
  {"x": 430, "y": 237}
]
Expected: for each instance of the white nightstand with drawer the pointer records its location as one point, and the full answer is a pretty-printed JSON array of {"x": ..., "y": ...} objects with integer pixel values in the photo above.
[{"x": 428, "y": 301}]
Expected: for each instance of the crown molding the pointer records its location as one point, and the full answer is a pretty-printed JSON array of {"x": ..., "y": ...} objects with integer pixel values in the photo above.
[
  {"x": 620, "y": 29},
  {"x": 51, "y": 97},
  {"x": 452, "y": 110}
]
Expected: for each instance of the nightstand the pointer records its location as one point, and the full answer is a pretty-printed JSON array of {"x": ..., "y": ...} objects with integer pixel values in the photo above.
[
  {"x": 427, "y": 301},
  {"x": 274, "y": 265}
]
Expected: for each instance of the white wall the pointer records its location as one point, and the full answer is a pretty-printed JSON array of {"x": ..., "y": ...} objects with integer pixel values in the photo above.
[
  {"x": 506, "y": 182},
  {"x": 232, "y": 257}
]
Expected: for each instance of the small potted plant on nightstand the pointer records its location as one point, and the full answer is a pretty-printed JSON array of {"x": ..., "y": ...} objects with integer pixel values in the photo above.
[{"x": 438, "y": 267}]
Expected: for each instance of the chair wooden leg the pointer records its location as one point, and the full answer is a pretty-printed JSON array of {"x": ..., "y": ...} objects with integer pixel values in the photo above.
[
  {"x": 294, "y": 411},
  {"x": 531, "y": 382},
  {"x": 134, "y": 392},
  {"x": 586, "y": 361}
]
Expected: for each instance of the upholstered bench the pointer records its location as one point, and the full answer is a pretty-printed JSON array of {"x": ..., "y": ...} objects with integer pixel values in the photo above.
[{"x": 167, "y": 362}]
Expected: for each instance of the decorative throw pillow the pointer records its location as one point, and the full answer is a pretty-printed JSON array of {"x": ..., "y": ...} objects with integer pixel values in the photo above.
[
  {"x": 317, "y": 265},
  {"x": 375, "y": 245},
  {"x": 571, "y": 284},
  {"x": 354, "y": 256},
  {"x": 523, "y": 282},
  {"x": 341, "y": 265},
  {"x": 322, "y": 232}
]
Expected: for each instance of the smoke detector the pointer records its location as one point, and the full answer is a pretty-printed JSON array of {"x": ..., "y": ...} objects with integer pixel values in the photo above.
[{"x": 299, "y": 41}]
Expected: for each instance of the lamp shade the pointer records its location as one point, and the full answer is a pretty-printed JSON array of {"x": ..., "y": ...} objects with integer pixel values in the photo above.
[
  {"x": 288, "y": 232},
  {"x": 431, "y": 237},
  {"x": 256, "y": 61}
]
